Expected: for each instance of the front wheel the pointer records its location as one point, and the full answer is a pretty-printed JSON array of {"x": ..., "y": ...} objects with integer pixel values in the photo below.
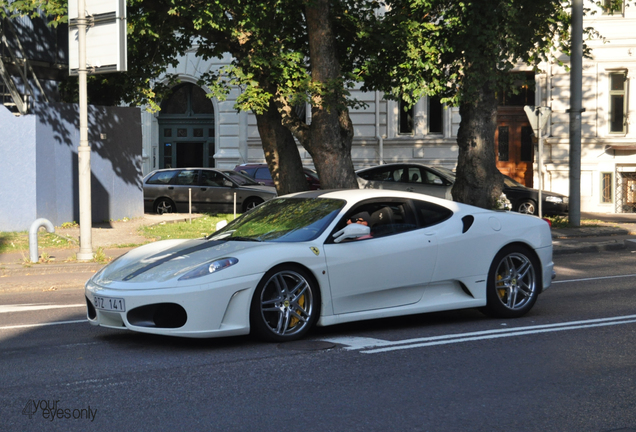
[
  {"x": 513, "y": 283},
  {"x": 286, "y": 304},
  {"x": 527, "y": 207}
]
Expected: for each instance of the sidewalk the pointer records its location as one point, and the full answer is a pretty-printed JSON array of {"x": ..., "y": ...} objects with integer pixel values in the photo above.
[{"x": 613, "y": 232}]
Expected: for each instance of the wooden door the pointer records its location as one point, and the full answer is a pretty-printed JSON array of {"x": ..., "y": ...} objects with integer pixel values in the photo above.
[{"x": 513, "y": 144}]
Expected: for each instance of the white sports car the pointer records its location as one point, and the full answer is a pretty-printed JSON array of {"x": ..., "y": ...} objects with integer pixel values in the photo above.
[{"x": 327, "y": 257}]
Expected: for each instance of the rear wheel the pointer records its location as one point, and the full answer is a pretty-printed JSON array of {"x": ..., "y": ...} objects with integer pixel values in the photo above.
[
  {"x": 513, "y": 283},
  {"x": 164, "y": 205},
  {"x": 286, "y": 304},
  {"x": 527, "y": 207},
  {"x": 250, "y": 203}
]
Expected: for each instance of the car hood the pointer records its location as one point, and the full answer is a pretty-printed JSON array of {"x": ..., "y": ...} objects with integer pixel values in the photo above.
[{"x": 166, "y": 260}]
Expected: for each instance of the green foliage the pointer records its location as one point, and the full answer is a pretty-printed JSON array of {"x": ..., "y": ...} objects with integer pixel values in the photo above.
[
  {"x": 54, "y": 10},
  {"x": 453, "y": 49}
]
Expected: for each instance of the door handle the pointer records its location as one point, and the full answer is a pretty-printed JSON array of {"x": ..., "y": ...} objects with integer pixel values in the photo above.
[
  {"x": 204, "y": 189},
  {"x": 170, "y": 187}
]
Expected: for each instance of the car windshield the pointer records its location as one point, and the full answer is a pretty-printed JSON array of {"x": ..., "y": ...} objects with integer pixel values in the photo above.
[
  {"x": 282, "y": 220},
  {"x": 240, "y": 178},
  {"x": 513, "y": 183}
]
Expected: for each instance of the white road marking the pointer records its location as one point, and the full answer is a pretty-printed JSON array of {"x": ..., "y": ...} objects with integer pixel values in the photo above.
[
  {"x": 593, "y": 279},
  {"x": 35, "y": 307},
  {"x": 42, "y": 324},
  {"x": 374, "y": 346}
]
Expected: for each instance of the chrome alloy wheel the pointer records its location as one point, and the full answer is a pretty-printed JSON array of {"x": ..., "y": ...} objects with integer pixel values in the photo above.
[
  {"x": 287, "y": 303},
  {"x": 527, "y": 207},
  {"x": 164, "y": 206},
  {"x": 515, "y": 281}
]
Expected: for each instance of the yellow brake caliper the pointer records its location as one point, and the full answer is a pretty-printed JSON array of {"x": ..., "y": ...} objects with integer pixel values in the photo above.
[
  {"x": 501, "y": 291},
  {"x": 293, "y": 321}
]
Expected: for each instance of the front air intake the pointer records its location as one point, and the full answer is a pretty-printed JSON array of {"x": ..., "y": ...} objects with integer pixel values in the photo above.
[{"x": 159, "y": 315}]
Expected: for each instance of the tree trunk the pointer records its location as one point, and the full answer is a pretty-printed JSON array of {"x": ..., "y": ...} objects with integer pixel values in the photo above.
[
  {"x": 281, "y": 152},
  {"x": 479, "y": 182},
  {"x": 330, "y": 134}
]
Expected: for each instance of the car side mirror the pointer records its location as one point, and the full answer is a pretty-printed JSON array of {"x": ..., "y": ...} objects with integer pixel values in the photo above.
[{"x": 351, "y": 231}]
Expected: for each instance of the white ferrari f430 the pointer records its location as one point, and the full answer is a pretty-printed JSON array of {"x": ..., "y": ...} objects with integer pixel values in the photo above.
[{"x": 327, "y": 257}]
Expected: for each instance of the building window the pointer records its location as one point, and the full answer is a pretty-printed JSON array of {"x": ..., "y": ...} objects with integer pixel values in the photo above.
[
  {"x": 503, "y": 143},
  {"x": 526, "y": 144},
  {"x": 406, "y": 115},
  {"x": 167, "y": 155},
  {"x": 435, "y": 115},
  {"x": 612, "y": 6},
  {"x": 606, "y": 187},
  {"x": 617, "y": 102}
]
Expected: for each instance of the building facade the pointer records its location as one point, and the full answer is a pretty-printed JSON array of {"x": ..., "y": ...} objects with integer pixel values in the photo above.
[{"x": 608, "y": 142}]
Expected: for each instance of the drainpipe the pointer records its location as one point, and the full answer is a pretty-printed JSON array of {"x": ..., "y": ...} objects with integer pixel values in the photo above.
[
  {"x": 378, "y": 135},
  {"x": 33, "y": 236}
]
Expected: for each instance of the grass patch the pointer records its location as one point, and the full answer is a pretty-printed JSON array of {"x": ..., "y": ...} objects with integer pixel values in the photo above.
[
  {"x": 200, "y": 227},
  {"x": 19, "y": 241}
]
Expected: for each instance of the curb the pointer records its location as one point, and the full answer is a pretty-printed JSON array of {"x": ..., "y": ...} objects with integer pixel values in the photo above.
[{"x": 592, "y": 247}]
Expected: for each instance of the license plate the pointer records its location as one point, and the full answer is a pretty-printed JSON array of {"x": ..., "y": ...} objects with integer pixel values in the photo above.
[{"x": 110, "y": 304}]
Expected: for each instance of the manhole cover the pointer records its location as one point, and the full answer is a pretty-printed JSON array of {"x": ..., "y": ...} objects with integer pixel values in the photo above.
[{"x": 307, "y": 345}]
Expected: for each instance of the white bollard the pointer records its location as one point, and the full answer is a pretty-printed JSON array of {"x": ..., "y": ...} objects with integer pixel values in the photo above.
[{"x": 33, "y": 237}]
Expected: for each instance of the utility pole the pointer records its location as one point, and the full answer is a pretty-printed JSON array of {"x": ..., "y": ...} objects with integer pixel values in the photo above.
[
  {"x": 84, "y": 151},
  {"x": 576, "y": 109}
]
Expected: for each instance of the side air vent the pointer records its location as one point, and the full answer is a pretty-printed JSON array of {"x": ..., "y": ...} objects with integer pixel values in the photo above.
[
  {"x": 468, "y": 222},
  {"x": 466, "y": 290}
]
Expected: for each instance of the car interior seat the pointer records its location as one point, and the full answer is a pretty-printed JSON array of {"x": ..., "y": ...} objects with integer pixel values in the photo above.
[{"x": 381, "y": 221}]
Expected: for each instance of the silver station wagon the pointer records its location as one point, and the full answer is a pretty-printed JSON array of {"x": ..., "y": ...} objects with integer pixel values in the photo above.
[{"x": 212, "y": 190}]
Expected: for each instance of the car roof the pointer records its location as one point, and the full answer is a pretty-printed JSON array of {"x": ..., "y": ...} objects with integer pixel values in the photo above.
[{"x": 363, "y": 194}]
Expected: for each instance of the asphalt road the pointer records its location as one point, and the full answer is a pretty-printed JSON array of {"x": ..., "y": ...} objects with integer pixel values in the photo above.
[{"x": 569, "y": 365}]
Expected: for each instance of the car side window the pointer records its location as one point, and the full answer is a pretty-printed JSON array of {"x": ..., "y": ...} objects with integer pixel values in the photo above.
[
  {"x": 414, "y": 175},
  {"x": 161, "y": 178},
  {"x": 385, "y": 218},
  {"x": 432, "y": 178},
  {"x": 188, "y": 178},
  {"x": 429, "y": 214},
  {"x": 381, "y": 174},
  {"x": 401, "y": 175},
  {"x": 211, "y": 178}
]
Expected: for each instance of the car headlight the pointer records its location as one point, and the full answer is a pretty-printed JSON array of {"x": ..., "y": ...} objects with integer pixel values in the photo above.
[
  {"x": 209, "y": 268},
  {"x": 554, "y": 199}
]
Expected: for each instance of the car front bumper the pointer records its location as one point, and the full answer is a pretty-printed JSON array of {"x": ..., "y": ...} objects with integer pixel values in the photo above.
[{"x": 199, "y": 311}]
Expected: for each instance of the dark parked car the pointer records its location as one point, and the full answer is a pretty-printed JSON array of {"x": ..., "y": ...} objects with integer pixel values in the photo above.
[
  {"x": 260, "y": 173},
  {"x": 168, "y": 190},
  {"x": 438, "y": 181}
]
